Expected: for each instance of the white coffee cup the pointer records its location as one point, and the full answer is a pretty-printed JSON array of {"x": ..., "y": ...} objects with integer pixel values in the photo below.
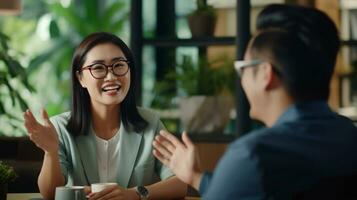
[
  {"x": 70, "y": 193},
  {"x": 97, "y": 187}
]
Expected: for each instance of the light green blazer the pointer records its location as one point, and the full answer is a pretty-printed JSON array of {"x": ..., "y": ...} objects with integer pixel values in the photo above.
[{"x": 137, "y": 165}]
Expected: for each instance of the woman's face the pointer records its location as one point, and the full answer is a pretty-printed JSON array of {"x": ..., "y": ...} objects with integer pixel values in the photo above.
[{"x": 112, "y": 89}]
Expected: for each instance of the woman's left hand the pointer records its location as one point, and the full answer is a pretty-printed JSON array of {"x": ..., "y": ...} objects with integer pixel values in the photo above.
[{"x": 114, "y": 193}]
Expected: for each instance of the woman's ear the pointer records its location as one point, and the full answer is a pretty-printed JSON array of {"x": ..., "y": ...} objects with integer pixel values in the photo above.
[{"x": 80, "y": 78}]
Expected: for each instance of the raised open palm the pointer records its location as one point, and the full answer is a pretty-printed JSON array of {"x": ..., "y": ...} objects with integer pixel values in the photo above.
[
  {"x": 181, "y": 158},
  {"x": 43, "y": 135}
]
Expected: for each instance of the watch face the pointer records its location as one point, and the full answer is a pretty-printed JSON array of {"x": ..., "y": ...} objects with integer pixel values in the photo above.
[{"x": 143, "y": 191}]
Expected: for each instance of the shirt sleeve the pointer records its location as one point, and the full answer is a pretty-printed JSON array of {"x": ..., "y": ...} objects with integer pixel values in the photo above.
[
  {"x": 237, "y": 176},
  {"x": 205, "y": 181}
]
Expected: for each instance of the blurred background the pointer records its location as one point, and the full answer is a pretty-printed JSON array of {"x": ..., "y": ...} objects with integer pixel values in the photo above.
[{"x": 178, "y": 57}]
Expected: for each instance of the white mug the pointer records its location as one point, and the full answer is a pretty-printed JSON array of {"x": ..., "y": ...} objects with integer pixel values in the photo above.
[
  {"x": 97, "y": 187},
  {"x": 70, "y": 193}
]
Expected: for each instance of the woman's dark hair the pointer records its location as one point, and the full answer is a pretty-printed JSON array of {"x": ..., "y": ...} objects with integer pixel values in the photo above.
[
  {"x": 80, "y": 119},
  {"x": 303, "y": 43}
]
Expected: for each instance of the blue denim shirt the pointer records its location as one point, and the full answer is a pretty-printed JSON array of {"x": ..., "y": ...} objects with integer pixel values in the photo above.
[{"x": 308, "y": 142}]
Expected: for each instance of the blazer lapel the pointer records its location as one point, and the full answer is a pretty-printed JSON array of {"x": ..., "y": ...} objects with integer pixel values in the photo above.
[
  {"x": 128, "y": 152},
  {"x": 88, "y": 156}
]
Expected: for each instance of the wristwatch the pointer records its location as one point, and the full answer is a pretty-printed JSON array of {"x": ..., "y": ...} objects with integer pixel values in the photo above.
[{"x": 142, "y": 192}]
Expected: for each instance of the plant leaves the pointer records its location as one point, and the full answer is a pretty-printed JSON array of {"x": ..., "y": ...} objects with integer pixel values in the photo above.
[
  {"x": 11, "y": 91},
  {"x": 71, "y": 16},
  {"x": 21, "y": 101},
  {"x": 36, "y": 62},
  {"x": 54, "y": 29}
]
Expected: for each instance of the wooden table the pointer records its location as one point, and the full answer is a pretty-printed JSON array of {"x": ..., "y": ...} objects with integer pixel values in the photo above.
[
  {"x": 24, "y": 196},
  {"x": 37, "y": 196}
]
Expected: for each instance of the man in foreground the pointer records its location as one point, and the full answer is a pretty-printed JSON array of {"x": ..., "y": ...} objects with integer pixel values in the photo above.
[{"x": 286, "y": 76}]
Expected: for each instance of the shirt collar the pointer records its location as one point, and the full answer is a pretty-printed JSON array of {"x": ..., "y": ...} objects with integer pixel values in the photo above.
[{"x": 298, "y": 110}]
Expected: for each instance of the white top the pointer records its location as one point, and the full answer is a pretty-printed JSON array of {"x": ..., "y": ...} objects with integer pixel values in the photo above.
[{"x": 108, "y": 158}]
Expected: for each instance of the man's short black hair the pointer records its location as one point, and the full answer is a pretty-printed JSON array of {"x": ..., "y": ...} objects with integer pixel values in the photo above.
[{"x": 302, "y": 43}]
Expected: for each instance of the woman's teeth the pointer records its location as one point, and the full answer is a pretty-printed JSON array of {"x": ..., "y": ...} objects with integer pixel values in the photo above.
[{"x": 111, "y": 88}]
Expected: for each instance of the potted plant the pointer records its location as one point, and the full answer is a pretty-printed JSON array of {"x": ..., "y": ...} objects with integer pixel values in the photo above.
[
  {"x": 7, "y": 174},
  {"x": 205, "y": 90},
  {"x": 13, "y": 79},
  {"x": 202, "y": 21}
]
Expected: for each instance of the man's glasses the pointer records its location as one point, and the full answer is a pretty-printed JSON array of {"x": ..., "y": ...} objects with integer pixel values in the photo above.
[
  {"x": 241, "y": 64},
  {"x": 100, "y": 70}
]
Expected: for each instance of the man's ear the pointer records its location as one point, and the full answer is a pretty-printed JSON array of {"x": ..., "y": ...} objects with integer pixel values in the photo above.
[
  {"x": 80, "y": 79},
  {"x": 271, "y": 79}
]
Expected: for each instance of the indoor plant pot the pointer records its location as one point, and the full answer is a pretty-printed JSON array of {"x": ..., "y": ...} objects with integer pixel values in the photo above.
[
  {"x": 202, "y": 25},
  {"x": 3, "y": 191},
  {"x": 7, "y": 174},
  {"x": 202, "y": 21},
  {"x": 205, "y": 114}
]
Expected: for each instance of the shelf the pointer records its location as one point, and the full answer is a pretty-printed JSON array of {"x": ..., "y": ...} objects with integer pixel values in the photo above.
[
  {"x": 210, "y": 137},
  {"x": 349, "y": 42},
  {"x": 175, "y": 42},
  {"x": 350, "y": 112}
]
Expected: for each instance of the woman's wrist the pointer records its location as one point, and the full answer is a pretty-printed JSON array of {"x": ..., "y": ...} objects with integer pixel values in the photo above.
[
  {"x": 133, "y": 194},
  {"x": 52, "y": 154}
]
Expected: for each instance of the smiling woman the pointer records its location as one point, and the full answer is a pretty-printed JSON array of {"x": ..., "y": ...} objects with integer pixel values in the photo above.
[{"x": 105, "y": 137}]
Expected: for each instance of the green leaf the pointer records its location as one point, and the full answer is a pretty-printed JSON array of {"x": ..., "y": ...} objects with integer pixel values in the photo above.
[
  {"x": 2, "y": 108},
  {"x": 91, "y": 9},
  {"x": 110, "y": 12},
  {"x": 71, "y": 16},
  {"x": 3, "y": 41},
  {"x": 16, "y": 70},
  {"x": 11, "y": 91},
  {"x": 36, "y": 62},
  {"x": 22, "y": 103},
  {"x": 118, "y": 25},
  {"x": 54, "y": 29},
  {"x": 12, "y": 117}
]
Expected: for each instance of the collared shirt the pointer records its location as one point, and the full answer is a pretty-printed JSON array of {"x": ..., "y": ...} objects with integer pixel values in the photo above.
[
  {"x": 308, "y": 142},
  {"x": 108, "y": 158}
]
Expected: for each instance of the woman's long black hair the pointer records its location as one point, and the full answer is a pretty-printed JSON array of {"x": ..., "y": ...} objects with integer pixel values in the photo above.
[{"x": 80, "y": 119}]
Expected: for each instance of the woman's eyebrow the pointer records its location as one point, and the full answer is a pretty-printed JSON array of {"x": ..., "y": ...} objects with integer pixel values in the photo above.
[
  {"x": 119, "y": 58},
  {"x": 113, "y": 59}
]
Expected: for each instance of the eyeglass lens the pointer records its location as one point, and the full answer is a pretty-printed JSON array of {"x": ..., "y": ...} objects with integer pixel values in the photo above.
[{"x": 100, "y": 70}]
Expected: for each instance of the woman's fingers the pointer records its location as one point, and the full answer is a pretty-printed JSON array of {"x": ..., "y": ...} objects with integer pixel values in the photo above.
[
  {"x": 107, "y": 193},
  {"x": 45, "y": 117},
  {"x": 28, "y": 122},
  {"x": 30, "y": 118}
]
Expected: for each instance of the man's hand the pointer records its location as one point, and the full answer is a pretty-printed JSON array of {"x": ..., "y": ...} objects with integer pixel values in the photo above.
[{"x": 181, "y": 158}]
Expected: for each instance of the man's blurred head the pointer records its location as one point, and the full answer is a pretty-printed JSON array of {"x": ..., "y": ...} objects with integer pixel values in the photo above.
[{"x": 299, "y": 46}]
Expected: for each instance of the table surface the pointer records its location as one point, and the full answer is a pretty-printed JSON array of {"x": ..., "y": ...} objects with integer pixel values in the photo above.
[{"x": 37, "y": 196}]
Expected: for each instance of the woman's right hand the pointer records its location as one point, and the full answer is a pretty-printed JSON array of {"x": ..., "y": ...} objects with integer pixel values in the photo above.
[{"x": 44, "y": 136}]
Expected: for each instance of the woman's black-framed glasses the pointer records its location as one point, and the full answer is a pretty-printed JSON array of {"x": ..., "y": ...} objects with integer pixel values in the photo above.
[{"x": 100, "y": 70}]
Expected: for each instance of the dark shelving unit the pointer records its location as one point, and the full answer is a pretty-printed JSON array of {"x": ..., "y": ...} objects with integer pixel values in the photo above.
[
  {"x": 190, "y": 42},
  {"x": 165, "y": 39},
  {"x": 349, "y": 42}
]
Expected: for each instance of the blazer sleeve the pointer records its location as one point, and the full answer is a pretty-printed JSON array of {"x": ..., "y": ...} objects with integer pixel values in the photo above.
[
  {"x": 65, "y": 165},
  {"x": 163, "y": 171}
]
